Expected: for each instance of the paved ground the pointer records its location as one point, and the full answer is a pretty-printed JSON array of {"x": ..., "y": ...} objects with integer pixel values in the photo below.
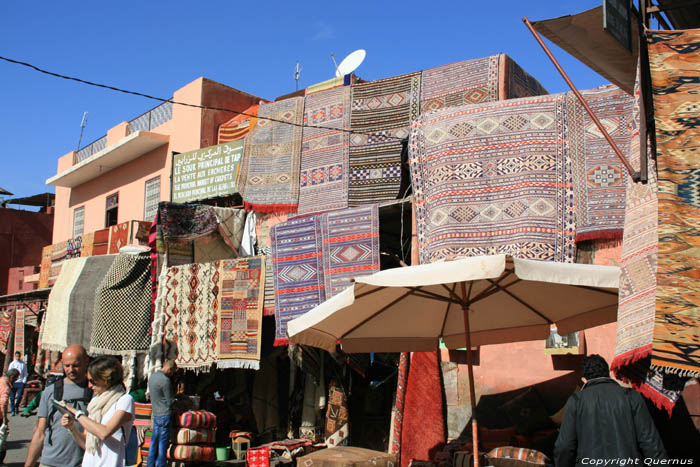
[{"x": 21, "y": 430}]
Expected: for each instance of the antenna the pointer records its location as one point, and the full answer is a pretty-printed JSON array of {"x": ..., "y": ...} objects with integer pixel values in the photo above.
[
  {"x": 350, "y": 63},
  {"x": 297, "y": 73},
  {"x": 83, "y": 124},
  {"x": 334, "y": 63}
]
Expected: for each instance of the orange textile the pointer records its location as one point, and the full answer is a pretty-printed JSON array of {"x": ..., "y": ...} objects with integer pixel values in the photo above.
[{"x": 238, "y": 126}]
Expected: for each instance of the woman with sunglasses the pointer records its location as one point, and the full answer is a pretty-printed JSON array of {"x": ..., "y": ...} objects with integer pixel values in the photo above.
[{"x": 110, "y": 415}]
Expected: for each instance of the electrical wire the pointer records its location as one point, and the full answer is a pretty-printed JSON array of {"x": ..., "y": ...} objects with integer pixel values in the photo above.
[{"x": 206, "y": 107}]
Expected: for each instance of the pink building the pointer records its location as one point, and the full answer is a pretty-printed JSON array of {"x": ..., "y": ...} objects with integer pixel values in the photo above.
[{"x": 123, "y": 175}]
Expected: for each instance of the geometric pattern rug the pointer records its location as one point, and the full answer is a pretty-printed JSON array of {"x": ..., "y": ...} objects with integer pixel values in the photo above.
[
  {"x": 674, "y": 58},
  {"x": 496, "y": 178}
]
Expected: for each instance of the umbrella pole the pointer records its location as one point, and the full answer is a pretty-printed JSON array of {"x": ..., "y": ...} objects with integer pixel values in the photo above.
[{"x": 470, "y": 369}]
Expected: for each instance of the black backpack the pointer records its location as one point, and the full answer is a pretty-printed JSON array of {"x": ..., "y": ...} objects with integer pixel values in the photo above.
[{"x": 58, "y": 395}]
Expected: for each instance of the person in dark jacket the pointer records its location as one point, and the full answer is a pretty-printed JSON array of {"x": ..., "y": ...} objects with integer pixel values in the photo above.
[{"x": 605, "y": 421}]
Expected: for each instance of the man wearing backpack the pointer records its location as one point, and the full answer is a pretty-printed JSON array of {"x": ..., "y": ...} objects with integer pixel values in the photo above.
[{"x": 51, "y": 441}]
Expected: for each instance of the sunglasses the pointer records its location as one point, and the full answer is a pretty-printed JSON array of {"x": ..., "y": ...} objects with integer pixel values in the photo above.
[{"x": 91, "y": 381}]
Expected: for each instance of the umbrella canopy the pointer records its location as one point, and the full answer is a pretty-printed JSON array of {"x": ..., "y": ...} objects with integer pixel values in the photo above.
[{"x": 509, "y": 300}]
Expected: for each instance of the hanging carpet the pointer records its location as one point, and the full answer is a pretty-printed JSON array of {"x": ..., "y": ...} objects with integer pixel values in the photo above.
[
  {"x": 380, "y": 116},
  {"x": 324, "y": 152},
  {"x": 58, "y": 256},
  {"x": 496, "y": 178},
  {"x": 263, "y": 224},
  {"x": 269, "y": 177},
  {"x": 7, "y": 319},
  {"x": 87, "y": 244},
  {"x": 19, "y": 330},
  {"x": 239, "y": 126},
  {"x": 337, "y": 416},
  {"x": 73, "y": 247},
  {"x": 100, "y": 245},
  {"x": 45, "y": 268},
  {"x": 122, "y": 313}
]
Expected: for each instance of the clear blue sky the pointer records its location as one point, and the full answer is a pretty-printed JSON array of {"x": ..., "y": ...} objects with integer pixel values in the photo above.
[{"x": 156, "y": 47}]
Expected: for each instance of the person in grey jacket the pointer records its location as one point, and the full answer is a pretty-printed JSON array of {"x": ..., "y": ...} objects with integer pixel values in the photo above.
[
  {"x": 160, "y": 388},
  {"x": 605, "y": 421}
]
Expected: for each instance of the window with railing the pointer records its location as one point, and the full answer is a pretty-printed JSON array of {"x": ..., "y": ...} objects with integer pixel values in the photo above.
[
  {"x": 112, "y": 211},
  {"x": 78, "y": 221},
  {"x": 151, "y": 197}
]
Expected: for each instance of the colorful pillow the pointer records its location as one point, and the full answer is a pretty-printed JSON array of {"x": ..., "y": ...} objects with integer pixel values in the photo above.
[
  {"x": 195, "y": 436},
  {"x": 258, "y": 457},
  {"x": 198, "y": 419},
  {"x": 527, "y": 412},
  {"x": 509, "y": 456},
  {"x": 191, "y": 453}
]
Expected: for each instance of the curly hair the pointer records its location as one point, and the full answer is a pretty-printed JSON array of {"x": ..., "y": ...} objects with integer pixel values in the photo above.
[
  {"x": 595, "y": 366},
  {"x": 107, "y": 370}
]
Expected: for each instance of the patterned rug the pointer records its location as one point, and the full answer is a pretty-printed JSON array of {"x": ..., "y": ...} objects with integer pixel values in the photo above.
[
  {"x": 314, "y": 258},
  {"x": 674, "y": 61},
  {"x": 496, "y": 178},
  {"x": 399, "y": 404},
  {"x": 239, "y": 126},
  {"x": 269, "y": 177},
  {"x": 82, "y": 299},
  {"x": 122, "y": 307},
  {"x": 45, "y": 268},
  {"x": 240, "y": 319},
  {"x": 58, "y": 309},
  {"x": 599, "y": 177},
  {"x": 297, "y": 270},
  {"x": 163, "y": 337},
  {"x": 337, "y": 416},
  {"x": 73, "y": 247},
  {"x": 100, "y": 244},
  {"x": 58, "y": 256},
  {"x": 324, "y": 153},
  {"x": 196, "y": 312},
  {"x": 19, "y": 330},
  {"x": 487, "y": 79},
  {"x": 350, "y": 246},
  {"x": 7, "y": 318},
  {"x": 263, "y": 225},
  {"x": 87, "y": 244},
  {"x": 382, "y": 110}
]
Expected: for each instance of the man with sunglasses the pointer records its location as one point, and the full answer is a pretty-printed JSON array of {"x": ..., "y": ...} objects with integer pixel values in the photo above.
[{"x": 51, "y": 441}]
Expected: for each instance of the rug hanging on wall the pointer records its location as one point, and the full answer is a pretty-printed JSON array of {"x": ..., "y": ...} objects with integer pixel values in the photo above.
[
  {"x": 19, "y": 331},
  {"x": 674, "y": 62},
  {"x": 7, "y": 319},
  {"x": 240, "y": 322},
  {"x": 87, "y": 244},
  {"x": 380, "y": 116},
  {"x": 483, "y": 184},
  {"x": 58, "y": 308},
  {"x": 45, "y": 268},
  {"x": 337, "y": 416},
  {"x": 122, "y": 307},
  {"x": 100, "y": 244},
  {"x": 600, "y": 178},
  {"x": 58, "y": 256},
  {"x": 324, "y": 152},
  {"x": 269, "y": 177},
  {"x": 239, "y": 126}
]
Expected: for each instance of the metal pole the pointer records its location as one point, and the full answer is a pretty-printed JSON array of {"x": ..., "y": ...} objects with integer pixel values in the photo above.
[
  {"x": 472, "y": 393},
  {"x": 635, "y": 175}
]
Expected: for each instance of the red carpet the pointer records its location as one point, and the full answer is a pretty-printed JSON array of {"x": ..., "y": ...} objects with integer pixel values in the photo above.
[{"x": 423, "y": 422}]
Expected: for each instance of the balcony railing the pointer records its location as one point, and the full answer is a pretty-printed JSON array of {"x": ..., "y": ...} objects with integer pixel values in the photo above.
[{"x": 144, "y": 122}]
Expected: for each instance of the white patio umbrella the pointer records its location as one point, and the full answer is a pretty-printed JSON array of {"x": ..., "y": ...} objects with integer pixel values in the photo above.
[{"x": 468, "y": 302}]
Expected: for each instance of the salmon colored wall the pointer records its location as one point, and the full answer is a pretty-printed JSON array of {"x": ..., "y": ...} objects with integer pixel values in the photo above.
[
  {"x": 218, "y": 95},
  {"x": 63, "y": 220}
]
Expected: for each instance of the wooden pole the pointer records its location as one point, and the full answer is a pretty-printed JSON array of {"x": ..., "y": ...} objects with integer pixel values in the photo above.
[{"x": 470, "y": 369}]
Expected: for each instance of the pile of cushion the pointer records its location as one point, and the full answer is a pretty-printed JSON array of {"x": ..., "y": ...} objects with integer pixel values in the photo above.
[{"x": 195, "y": 437}]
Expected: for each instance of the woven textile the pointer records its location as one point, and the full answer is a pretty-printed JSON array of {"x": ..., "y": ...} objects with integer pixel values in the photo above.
[
  {"x": 674, "y": 62},
  {"x": 501, "y": 455},
  {"x": 100, "y": 245},
  {"x": 197, "y": 308},
  {"x": 163, "y": 338},
  {"x": 240, "y": 320},
  {"x": 118, "y": 237},
  {"x": 600, "y": 178},
  {"x": 73, "y": 247},
  {"x": 263, "y": 224},
  {"x": 515, "y": 82},
  {"x": 57, "y": 311},
  {"x": 58, "y": 256},
  {"x": 191, "y": 453},
  {"x": 350, "y": 246},
  {"x": 7, "y": 318},
  {"x": 337, "y": 416},
  {"x": 323, "y": 183},
  {"x": 197, "y": 419},
  {"x": 381, "y": 113},
  {"x": 239, "y": 126},
  {"x": 297, "y": 270},
  {"x": 496, "y": 179},
  {"x": 195, "y": 436},
  {"x": 122, "y": 317},
  {"x": 19, "y": 330},
  {"x": 87, "y": 244},
  {"x": 269, "y": 177},
  {"x": 45, "y": 268},
  {"x": 399, "y": 404},
  {"x": 258, "y": 457}
]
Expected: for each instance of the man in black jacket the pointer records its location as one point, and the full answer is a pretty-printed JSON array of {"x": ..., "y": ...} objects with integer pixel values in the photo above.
[{"x": 605, "y": 421}]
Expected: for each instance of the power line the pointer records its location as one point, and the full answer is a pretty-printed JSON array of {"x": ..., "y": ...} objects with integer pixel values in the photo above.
[{"x": 160, "y": 99}]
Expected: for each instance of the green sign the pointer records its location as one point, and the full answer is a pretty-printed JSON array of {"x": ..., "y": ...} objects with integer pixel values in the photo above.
[{"x": 206, "y": 173}]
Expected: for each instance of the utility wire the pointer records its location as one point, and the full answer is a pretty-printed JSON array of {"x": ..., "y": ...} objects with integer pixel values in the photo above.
[{"x": 206, "y": 107}]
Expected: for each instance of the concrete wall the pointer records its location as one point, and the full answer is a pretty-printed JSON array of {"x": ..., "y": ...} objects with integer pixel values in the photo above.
[
  {"x": 15, "y": 281},
  {"x": 190, "y": 128},
  {"x": 22, "y": 236}
]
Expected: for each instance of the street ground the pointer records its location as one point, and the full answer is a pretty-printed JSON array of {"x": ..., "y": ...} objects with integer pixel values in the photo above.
[{"x": 21, "y": 430}]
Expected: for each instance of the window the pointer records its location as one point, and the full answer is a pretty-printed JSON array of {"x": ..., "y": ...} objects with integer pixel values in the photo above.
[
  {"x": 112, "y": 210},
  {"x": 151, "y": 199},
  {"x": 78, "y": 221}
]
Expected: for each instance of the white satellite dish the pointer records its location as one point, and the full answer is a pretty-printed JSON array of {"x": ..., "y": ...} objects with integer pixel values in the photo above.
[{"x": 350, "y": 63}]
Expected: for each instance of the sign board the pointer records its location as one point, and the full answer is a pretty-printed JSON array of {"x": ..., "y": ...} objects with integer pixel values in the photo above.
[
  {"x": 617, "y": 21},
  {"x": 206, "y": 173}
]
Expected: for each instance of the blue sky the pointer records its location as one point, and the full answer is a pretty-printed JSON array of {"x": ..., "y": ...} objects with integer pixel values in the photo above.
[{"x": 156, "y": 47}]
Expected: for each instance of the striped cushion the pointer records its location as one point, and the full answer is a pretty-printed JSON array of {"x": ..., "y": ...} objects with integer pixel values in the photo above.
[
  {"x": 509, "y": 456},
  {"x": 142, "y": 414},
  {"x": 198, "y": 419},
  {"x": 195, "y": 436},
  {"x": 191, "y": 453}
]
